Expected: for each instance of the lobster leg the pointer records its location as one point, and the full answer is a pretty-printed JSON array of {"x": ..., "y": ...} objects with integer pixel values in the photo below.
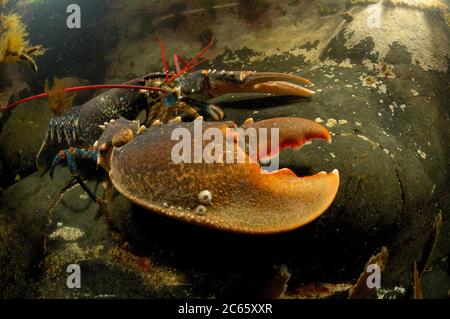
[
  {"x": 88, "y": 190},
  {"x": 70, "y": 155}
]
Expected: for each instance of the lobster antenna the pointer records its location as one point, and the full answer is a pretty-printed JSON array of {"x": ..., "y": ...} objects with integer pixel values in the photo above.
[
  {"x": 190, "y": 64},
  {"x": 177, "y": 58},
  {"x": 82, "y": 88},
  {"x": 163, "y": 57},
  {"x": 197, "y": 63}
]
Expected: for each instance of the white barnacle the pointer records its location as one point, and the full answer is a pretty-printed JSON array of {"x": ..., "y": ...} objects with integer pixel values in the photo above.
[
  {"x": 205, "y": 197},
  {"x": 201, "y": 210}
]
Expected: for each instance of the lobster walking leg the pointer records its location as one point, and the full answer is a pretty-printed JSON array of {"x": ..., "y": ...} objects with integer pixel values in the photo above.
[{"x": 70, "y": 155}]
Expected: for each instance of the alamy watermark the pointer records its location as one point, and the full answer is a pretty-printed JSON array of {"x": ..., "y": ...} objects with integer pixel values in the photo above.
[
  {"x": 374, "y": 279},
  {"x": 73, "y": 21},
  {"x": 236, "y": 146},
  {"x": 74, "y": 277}
]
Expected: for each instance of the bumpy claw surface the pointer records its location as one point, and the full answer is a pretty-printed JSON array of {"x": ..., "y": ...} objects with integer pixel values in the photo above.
[
  {"x": 221, "y": 82},
  {"x": 237, "y": 197}
]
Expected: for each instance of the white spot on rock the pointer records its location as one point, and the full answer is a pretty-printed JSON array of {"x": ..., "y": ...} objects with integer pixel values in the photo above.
[
  {"x": 331, "y": 122},
  {"x": 67, "y": 233},
  {"x": 318, "y": 120},
  {"x": 422, "y": 154}
]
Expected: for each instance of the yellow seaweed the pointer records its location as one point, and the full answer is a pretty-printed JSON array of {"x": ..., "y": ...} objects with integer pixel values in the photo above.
[
  {"x": 58, "y": 99},
  {"x": 14, "y": 45}
]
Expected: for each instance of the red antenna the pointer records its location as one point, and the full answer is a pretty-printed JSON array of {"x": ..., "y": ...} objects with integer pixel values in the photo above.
[
  {"x": 163, "y": 57},
  {"x": 191, "y": 63},
  {"x": 188, "y": 65},
  {"x": 82, "y": 88},
  {"x": 176, "y": 59}
]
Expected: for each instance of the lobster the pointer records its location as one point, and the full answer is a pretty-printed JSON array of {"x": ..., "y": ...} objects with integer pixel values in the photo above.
[{"x": 166, "y": 96}]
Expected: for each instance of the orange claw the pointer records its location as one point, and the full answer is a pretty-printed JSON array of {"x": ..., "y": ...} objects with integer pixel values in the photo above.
[
  {"x": 236, "y": 197},
  {"x": 290, "y": 134},
  {"x": 258, "y": 82}
]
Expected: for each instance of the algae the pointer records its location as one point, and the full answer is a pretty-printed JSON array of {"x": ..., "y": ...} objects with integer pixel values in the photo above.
[
  {"x": 14, "y": 45},
  {"x": 58, "y": 99}
]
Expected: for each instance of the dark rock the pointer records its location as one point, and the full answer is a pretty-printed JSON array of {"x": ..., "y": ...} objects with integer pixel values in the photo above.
[
  {"x": 398, "y": 54},
  {"x": 23, "y": 219},
  {"x": 308, "y": 46},
  {"x": 58, "y": 225},
  {"x": 21, "y": 137},
  {"x": 5, "y": 81},
  {"x": 337, "y": 50}
]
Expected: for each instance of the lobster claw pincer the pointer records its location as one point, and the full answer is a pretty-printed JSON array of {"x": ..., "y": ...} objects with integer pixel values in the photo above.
[
  {"x": 221, "y": 82},
  {"x": 202, "y": 173}
]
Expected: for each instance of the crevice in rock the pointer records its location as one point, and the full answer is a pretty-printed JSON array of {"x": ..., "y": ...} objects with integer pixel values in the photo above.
[
  {"x": 4, "y": 118},
  {"x": 403, "y": 195}
]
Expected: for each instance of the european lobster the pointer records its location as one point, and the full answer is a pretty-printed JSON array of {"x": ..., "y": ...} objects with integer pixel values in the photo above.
[{"x": 240, "y": 197}]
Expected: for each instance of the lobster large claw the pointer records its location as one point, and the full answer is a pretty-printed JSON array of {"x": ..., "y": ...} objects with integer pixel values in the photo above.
[
  {"x": 221, "y": 82},
  {"x": 202, "y": 173}
]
